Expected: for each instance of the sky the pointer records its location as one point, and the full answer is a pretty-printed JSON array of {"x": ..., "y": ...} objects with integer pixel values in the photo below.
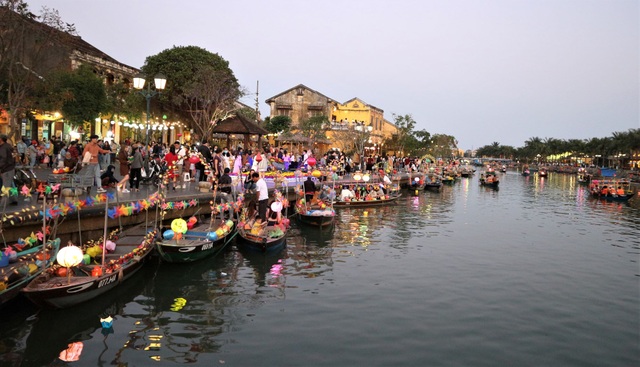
[{"x": 482, "y": 71}]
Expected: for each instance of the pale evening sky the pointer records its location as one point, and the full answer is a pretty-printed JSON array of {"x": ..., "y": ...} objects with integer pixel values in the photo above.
[{"x": 482, "y": 71}]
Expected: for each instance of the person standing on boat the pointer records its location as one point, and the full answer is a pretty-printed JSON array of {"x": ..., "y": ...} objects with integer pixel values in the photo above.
[
  {"x": 93, "y": 149},
  {"x": 263, "y": 195},
  {"x": 309, "y": 190},
  {"x": 7, "y": 165}
]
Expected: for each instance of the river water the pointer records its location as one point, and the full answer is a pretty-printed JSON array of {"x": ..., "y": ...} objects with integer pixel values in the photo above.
[{"x": 535, "y": 274}]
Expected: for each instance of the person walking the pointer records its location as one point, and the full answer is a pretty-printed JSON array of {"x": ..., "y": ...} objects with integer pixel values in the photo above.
[
  {"x": 123, "y": 160},
  {"x": 136, "y": 169},
  {"x": 22, "y": 150},
  {"x": 90, "y": 155},
  {"x": 7, "y": 166},
  {"x": 32, "y": 152}
]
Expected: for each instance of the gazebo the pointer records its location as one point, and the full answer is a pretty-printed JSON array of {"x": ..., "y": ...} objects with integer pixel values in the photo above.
[{"x": 239, "y": 125}]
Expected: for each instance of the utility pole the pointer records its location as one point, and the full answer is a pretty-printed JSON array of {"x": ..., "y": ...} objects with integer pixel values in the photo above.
[{"x": 257, "y": 103}]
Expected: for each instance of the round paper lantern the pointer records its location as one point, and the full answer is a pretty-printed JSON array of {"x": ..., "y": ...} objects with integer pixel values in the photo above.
[
  {"x": 357, "y": 177},
  {"x": 110, "y": 246},
  {"x": 168, "y": 234},
  {"x": 416, "y": 179},
  {"x": 194, "y": 159},
  {"x": 212, "y": 236},
  {"x": 230, "y": 223},
  {"x": 259, "y": 158},
  {"x": 311, "y": 161},
  {"x": 366, "y": 178},
  {"x": 69, "y": 256},
  {"x": 219, "y": 232},
  {"x": 316, "y": 173},
  {"x": 179, "y": 225},
  {"x": 276, "y": 206},
  {"x": 334, "y": 168}
]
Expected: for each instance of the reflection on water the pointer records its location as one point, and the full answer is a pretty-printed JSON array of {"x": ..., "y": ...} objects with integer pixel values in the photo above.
[{"x": 464, "y": 276}]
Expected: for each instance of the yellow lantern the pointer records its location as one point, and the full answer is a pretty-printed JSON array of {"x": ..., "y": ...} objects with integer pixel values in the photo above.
[
  {"x": 179, "y": 225},
  {"x": 357, "y": 177},
  {"x": 316, "y": 173}
]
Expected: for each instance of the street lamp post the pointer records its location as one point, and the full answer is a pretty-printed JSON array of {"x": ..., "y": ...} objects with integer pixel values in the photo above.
[{"x": 160, "y": 82}]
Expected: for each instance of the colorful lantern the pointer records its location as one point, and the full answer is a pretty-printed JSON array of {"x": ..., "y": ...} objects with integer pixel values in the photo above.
[
  {"x": 179, "y": 226},
  {"x": 168, "y": 234},
  {"x": 357, "y": 177},
  {"x": 366, "y": 178},
  {"x": 311, "y": 161},
  {"x": 194, "y": 159},
  {"x": 72, "y": 353},
  {"x": 212, "y": 236},
  {"x": 316, "y": 173}
]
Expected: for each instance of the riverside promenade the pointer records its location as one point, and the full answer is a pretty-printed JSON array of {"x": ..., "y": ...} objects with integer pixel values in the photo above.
[{"x": 89, "y": 222}]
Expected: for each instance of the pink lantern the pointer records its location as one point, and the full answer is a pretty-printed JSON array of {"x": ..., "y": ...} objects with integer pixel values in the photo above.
[{"x": 311, "y": 161}]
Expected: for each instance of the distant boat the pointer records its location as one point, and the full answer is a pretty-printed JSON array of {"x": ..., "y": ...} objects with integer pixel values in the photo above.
[{"x": 195, "y": 244}]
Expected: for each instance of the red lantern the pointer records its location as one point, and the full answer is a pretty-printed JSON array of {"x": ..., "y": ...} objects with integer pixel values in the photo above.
[
  {"x": 311, "y": 161},
  {"x": 259, "y": 157},
  {"x": 96, "y": 271},
  {"x": 194, "y": 159},
  {"x": 62, "y": 272}
]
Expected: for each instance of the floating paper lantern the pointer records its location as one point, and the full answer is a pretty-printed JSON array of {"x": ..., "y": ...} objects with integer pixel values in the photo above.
[
  {"x": 72, "y": 353},
  {"x": 106, "y": 322}
]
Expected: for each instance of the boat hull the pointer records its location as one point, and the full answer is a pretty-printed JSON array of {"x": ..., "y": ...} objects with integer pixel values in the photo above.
[
  {"x": 190, "y": 249},
  {"x": 26, "y": 256},
  {"x": 316, "y": 220},
  {"x": 60, "y": 292},
  {"x": 261, "y": 243},
  {"x": 365, "y": 203}
]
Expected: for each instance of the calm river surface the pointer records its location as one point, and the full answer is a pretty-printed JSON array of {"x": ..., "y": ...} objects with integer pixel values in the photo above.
[{"x": 535, "y": 274}]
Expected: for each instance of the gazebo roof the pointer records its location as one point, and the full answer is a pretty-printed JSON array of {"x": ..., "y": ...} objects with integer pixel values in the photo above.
[{"x": 238, "y": 124}]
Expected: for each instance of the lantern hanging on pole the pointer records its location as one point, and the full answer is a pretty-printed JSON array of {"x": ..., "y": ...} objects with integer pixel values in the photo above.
[
  {"x": 69, "y": 256},
  {"x": 311, "y": 161}
]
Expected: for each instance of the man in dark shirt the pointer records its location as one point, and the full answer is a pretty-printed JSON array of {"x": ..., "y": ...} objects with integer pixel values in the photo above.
[
  {"x": 204, "y": 150},
  {"x": 225, "y": 182},
  {"x": 309, "y": 190},
  {"x": 7, "y": 165}
]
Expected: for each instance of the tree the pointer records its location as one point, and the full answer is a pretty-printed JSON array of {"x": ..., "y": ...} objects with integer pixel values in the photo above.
[
  {"x": 200, "y": 84},
  {"x": 278, "y": 124},
  {"x": 26, "y": 50},
  {"x": 405, "y": 125},
  {"x": 83, "y": 95},
  {"x": 314, "y": 128}
]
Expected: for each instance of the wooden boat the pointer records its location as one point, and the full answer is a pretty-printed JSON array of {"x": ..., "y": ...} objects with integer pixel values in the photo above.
[
  {"x": 317, "y": 220},
  {"x": 195, "y": 244},
  {"x": 608, "y": 190},
  {"x": 526, "y": 172},
  {"x": 489, "y": 179},
  {"x": 28, "y": 264},
  {"x": 86, "y": 282},
  {"x": 365, "y": 203},
  {"x": 542, "y": 172},
  {"x": 272, "y": 238}
]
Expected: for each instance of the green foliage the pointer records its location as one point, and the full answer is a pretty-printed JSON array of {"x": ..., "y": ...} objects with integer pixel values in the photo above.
[
  {"x": 314, "y": 128},
  {"x": 182, "y": 66},
  {"x": 200, "y": 85},
  {"x": 278, "y": 124},
  {"x": 83, "y": 95}
]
